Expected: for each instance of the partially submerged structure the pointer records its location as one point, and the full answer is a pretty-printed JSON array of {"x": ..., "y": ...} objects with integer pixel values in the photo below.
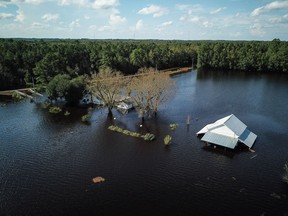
[
  {"x": 124, "y": 107},
  {"x": 227, "y": 132}
]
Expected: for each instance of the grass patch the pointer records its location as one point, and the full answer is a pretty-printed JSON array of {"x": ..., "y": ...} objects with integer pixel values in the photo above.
[
  {"x": 147, "y": 137},
  {"x": 55, "y": 110}
]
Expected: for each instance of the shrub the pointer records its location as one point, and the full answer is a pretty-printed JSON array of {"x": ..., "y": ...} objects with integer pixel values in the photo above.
[
  {"x": 167, "y": 139},
  {"x": 67, "y": 113},
  {"x": 45, "y": 105},
  {"x": 16, "y": 96},
  {"x": 173, "y": 126},
  {"x": 55, "y": 109},
  {"x": 85, "y": 118}
]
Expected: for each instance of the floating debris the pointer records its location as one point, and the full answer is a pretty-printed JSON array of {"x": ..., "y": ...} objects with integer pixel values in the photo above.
[
  {"x": 253, "y": 156},
  {"x": 242, "y": 190},
  {"x": 188, "y": 120},
  {"x": 251, "y": 150},
  {"x": 98, "y": 179},
  {"x": 234, "y": 178}
]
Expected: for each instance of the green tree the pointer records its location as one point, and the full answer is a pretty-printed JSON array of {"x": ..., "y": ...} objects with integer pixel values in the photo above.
[
  {"x": 58, "y": 86},
  {"x": 51, "y": 65},
  {"x": 75, "y": 90}
]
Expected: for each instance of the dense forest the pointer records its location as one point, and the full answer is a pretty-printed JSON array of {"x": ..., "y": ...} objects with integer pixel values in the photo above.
[
  {"x": 245, "y": 56},
  {"x": 25, "y": 61}
]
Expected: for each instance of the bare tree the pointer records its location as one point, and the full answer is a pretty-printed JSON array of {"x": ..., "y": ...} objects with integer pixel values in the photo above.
[
  {"x": 107, "y": 86},
  {"x": 149, "y": 89}
]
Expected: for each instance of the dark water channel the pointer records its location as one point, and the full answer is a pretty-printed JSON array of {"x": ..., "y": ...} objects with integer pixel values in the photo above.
[{"x": 47, "y": 162}]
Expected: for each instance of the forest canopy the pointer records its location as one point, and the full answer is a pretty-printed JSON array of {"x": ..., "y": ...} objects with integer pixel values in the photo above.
[{"x": 25, "y": 61}]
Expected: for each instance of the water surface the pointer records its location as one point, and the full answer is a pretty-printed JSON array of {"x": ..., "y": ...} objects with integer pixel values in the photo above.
[{"x": 48, "y": 162}]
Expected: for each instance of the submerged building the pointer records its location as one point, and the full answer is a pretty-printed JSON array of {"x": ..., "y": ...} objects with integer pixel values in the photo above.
[{"x": 227, "y": 132}]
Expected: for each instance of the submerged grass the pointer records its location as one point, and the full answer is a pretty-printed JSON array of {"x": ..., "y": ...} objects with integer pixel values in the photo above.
[
  {"x": 55, "y": 110},
  {"x": 147, "y": 136}
]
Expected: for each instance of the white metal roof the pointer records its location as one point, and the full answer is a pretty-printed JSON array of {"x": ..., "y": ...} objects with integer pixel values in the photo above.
[{"x": 227, "y": 132}]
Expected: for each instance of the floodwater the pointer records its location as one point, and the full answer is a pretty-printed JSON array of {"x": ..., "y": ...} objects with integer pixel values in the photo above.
[{"x": 47, "y": 162}]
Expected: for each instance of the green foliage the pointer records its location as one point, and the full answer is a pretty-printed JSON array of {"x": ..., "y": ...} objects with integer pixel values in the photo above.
[
  {"x": 75, "y": 90},
  {"x": 62, "y": 86},
  {"x": 45, "y": 105},
  {"x": 22, "y": 61},
  {"x": 285, "y": 176},
  {"x": 85, "y": 118},
  {"x": 126, "y": 132},
  {"x": 67, "y": 113},
  {"x": 167, "y": 139},
  {"x": 173, "y": 126},
  {"x": 253, "y": 56},
  {"x": 55, "y": 110},
  {"x": 58, "y": 86},
  {"x": 148, "y": 137},
  {"x": 16, "y": 96}
]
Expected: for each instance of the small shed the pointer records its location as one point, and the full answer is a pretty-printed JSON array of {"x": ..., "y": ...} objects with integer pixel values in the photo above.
[{"x": 227, "y": 132}]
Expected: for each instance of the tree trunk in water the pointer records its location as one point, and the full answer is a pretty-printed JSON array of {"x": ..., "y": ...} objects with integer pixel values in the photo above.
[
  {"x": 91, "y": 100},
  {"x": 110, "y": 114}
]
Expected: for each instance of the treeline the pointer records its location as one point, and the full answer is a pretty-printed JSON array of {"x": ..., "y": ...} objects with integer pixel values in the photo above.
[
  {"x": 25, "y": 61},
  {"x": 246, "y": 56}
]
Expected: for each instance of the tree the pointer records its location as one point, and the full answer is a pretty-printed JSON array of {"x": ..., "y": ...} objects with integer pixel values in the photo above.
[
  {"x": 149, "y": 89},
  {"x": 75, "y": 90},
  {"x": 107, "y": 86},
  {"x": 58, "y": 86},
  {"x": 51, "y": 65}
]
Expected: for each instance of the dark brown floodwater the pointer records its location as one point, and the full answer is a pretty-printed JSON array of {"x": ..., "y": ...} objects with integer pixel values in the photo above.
[{"x": 47, "y": 162}]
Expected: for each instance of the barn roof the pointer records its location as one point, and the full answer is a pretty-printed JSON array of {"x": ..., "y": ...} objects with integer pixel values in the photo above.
[{"x": 227, "y": 132}]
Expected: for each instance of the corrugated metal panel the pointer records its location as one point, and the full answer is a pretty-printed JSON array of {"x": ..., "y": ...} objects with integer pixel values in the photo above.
[
  {"x": 216, "y": 124},
  {"x": 227, "y": 132},
  {"x": 224, "y": 130},
  {"x": 221, "y": 140},
  {"x": 235, "y": 125},
  {"x": 248, "y": 138}
]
